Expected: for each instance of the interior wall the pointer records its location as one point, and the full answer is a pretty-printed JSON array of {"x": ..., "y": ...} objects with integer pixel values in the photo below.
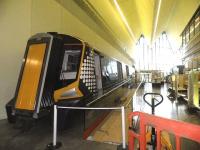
[
  {"x": 45, "y": 16},
  {"x": 21, "y": 19},
  {"x": 59, "y": 19},
  {"x": 14, "y": 29}
]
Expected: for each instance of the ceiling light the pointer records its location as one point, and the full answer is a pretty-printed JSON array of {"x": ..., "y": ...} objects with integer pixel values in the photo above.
[
  {"x": 156, "y": 19},
  {"x": 124, "y": 19}
]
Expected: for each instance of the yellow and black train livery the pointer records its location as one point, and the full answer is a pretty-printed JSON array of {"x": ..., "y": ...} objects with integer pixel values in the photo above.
[{"x": 61, "y": 69}]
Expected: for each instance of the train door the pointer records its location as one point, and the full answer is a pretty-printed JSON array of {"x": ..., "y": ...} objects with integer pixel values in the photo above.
[
  {"x": 127, "y": 71},
  {"x": 119, "y": 68},
  {"x": 124, "y": 71},
  {"x": 98, "y": 71}
]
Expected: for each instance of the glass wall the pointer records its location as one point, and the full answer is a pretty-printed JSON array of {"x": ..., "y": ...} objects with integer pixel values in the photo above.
[
  {"x": 158, "y": 56},
  {"x": 192, "y": 28}
]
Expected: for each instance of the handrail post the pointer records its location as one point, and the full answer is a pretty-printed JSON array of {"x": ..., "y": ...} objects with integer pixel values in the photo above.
[
  {"x": 123, "y": 128},
  {"x": 55, "y": 126},
  {"x": 54, "y": 145}
]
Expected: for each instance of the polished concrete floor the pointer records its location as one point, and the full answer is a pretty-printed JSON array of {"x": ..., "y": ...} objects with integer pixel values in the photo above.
[
  {"x": 110, "y": 129},
  {"x": 169, "y": 109},
  {"x": 41, "y": 134}
]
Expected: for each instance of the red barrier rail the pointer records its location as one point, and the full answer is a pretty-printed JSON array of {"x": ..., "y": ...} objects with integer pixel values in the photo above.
[{"x": 178, "y": 128}]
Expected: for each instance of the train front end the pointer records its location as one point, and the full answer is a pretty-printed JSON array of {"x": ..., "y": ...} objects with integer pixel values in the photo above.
[{"x": 50, "y": 73}]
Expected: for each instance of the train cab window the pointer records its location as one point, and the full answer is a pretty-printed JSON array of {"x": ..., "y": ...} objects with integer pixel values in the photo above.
[{"x": 70, "y": 64}]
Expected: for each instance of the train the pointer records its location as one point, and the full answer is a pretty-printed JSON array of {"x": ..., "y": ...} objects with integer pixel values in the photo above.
[{"x": 64, "y": 70}]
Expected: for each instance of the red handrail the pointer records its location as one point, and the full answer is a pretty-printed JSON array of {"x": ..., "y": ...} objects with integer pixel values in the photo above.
[{"x": 178, "y": 128}]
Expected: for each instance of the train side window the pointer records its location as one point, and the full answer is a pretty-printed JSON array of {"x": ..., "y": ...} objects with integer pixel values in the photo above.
[
  {"x": 70, "y": 64},
  {"x": 109, "y": 71}
]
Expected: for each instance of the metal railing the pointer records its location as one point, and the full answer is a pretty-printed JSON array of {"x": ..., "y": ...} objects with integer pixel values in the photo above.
[
  {"x": 54, "y": 144},
  {"x": 107, "y": 93},
  {"x": 134, "y": 95}
]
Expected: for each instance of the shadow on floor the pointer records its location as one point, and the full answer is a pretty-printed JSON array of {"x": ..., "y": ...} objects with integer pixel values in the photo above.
[{"x": 40, "y": 135}]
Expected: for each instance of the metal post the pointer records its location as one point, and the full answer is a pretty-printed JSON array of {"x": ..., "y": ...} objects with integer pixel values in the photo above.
[
  {"x": 123, "y": 128},
  {"x": 55, "y": 126},
  {"x": 176, "y": 86},
  {"x": 54, "y": 145}
]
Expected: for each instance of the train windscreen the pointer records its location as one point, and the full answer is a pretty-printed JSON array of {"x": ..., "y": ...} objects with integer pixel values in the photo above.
[{"x": 70, "y": 64}]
